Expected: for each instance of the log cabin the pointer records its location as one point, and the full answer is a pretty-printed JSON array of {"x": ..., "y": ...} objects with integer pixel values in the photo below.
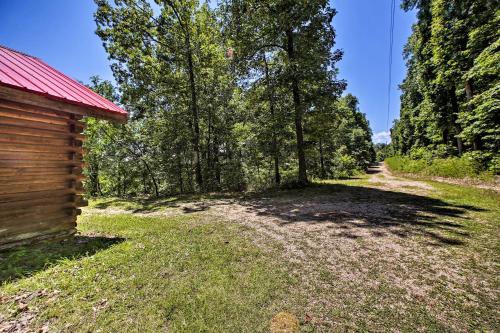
[{"x": 41, "y": 154}]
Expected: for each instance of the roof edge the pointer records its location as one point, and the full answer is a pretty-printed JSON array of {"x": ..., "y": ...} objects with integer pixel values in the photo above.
[
  {"x": 20, "y": 95},
  {"x": 20, "y": 52},
  {"x": 24, "y": 72}
]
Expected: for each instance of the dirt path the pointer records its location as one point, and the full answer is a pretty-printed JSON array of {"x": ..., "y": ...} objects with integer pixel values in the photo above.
[
  {"x": 362, "y": 244},
  {"x": 381, "y": 176}
]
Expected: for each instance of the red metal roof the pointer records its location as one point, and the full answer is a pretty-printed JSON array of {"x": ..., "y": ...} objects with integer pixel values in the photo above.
[{"x": 22, "y": 71}]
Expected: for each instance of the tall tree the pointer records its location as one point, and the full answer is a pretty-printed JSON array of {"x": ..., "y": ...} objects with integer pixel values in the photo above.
[
  {"x": 242, "y": 96},
  {"x": 448, "y": 103},
  {"x": 301, "y": 34},
  {"x": 160, "y": 60}
]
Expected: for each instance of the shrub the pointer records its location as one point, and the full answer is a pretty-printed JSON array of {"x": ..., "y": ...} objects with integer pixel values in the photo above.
[
  {"x": 474, "y": 165},
  {"x": 344, "y": 166},
  {"x": 420, "y": 153},
  {"x": 494, "y": 165},
  {"x": 406, "y": 164},
  {"x": 444, "y": 151},
  {"x": 478, "y": 160},
  {"x": 451, "y": 167}
]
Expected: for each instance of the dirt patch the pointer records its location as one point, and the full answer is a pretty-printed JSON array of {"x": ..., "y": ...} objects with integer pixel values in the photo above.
[
  {"x": 368, "y": 254},
  {"x": 381, "y": 177},
  {"x": 347, "y": 249}
]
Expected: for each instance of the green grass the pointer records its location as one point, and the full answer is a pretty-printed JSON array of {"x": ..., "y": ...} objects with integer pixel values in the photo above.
[
  {"x": 440, "y": 167},
  {"x": 136, "y": 205},
  {"x": 157, "y": 274},
  {"x": 193, "y": 272}
]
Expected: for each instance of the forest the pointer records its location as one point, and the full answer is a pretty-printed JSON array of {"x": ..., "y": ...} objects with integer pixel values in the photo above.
[
  {"x": 233, "y": 185},
  {"x": 450, "y": 97},
  {"x": 241, "y": 96}
]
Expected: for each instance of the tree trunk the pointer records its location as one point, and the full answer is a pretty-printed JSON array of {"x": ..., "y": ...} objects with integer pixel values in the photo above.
[
  {"x": 302, "y": 177},
  {"x": 460, "y": 146},
  {"x": 216, "y": 161},
  {"x": 210, "y": 159},
  {"x": 99, "y": 188},
  {"x": 145, "y": 183},
  {"x": 476, "y": 142},
  {"x": 94, "y": 178},
  {"x": 195, "y": 114},
  {"x": 97, "y": 182},
  {"x": 119, "y": 187},
  {"x": 322, "y": 159},
  {"x": 179, "y": 172},
  {"x": 152, "y": 177},
  {"x": 274, "y": 143},
  {"x": 455, "y": 111}
]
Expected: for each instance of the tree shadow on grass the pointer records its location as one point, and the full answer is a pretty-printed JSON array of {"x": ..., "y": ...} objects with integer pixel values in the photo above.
[
  {"x": 149, "y": 205},
  {"x": 26, "y": 260},
  {"x": 355, "y": 212},
  {"x": 345, "y": 211},
  {"x": 138, "y": 205}
]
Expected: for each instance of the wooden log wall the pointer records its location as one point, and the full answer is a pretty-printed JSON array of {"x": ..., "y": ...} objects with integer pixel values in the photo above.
[{"x": 40, "y": 172}]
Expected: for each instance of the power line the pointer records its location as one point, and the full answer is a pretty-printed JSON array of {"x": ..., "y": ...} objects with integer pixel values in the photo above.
[{"x": 391, "y": 43}]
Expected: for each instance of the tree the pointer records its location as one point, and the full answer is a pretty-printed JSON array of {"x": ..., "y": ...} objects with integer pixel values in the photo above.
[
  {"x": 160, "y": 64},
  {"x": 299, "y": 33},
  {"x": 448, "y": 102},
  {"x": 95, "y": 142},
  {"x": 242, "y": 96}
]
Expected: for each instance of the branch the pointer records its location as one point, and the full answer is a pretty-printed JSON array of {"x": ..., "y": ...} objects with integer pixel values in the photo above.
[
  {"x": 176, "y": 13},
  {"x": 157, "y": 22},
  {"x": 265, "y": 46}
]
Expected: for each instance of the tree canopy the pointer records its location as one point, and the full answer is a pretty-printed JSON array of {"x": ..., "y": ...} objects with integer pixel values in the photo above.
[
  {"x": 450, "y": 96},
  {"x": 243, "y": 95}
]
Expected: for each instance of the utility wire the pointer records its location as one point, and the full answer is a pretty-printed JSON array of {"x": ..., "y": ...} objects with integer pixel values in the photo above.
[{"x": 391, "y": 43}]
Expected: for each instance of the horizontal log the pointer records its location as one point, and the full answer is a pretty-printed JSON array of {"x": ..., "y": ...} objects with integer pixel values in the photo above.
[
  {"x": 44, "y": 133},
  {"x": 54, "y": 175},
  {"x": 37, "y": 116},
  {"x": 15, "y": 220},
  {"x": 38, "y": 156},
  {"x": 80, "y": 201},
  {"x": 77, "y": 185},
  {"x": 38, "y": 140},
  {"x": 26, "y": 171},
  {"x": 39, "y": 148},
  {"x": 57, "y": 200},
  {"x": 26, "y": 196},
  {"x": 39, "y": 164},
  {"x": 23, "y": 97},
  {"x": 10, "y": 105},
  {"x": 75, "y": 126},
  {"x": 31, "y": 238},
  {"x": 11, "y": 217},
  {"x": 33, "y": 230},
  {"x": 34, "y": 223},
  {"x": 33, "y": 124},
  {"x": 33, "y": 187},
  {"x": 14, "y": 181}
]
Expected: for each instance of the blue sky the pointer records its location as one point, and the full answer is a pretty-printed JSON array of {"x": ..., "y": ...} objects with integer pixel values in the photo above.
[
  {"x": 362, "y": 28},
  {"x": 61, "y": 32}
]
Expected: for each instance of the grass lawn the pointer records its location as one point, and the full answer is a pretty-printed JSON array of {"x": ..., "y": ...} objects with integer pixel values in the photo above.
[
  {"x": 370, "y": 254},
  {"x": 143, "y": 274}
]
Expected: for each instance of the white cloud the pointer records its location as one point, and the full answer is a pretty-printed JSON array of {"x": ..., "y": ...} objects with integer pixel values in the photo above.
[{"x": 382, "y": 137}]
